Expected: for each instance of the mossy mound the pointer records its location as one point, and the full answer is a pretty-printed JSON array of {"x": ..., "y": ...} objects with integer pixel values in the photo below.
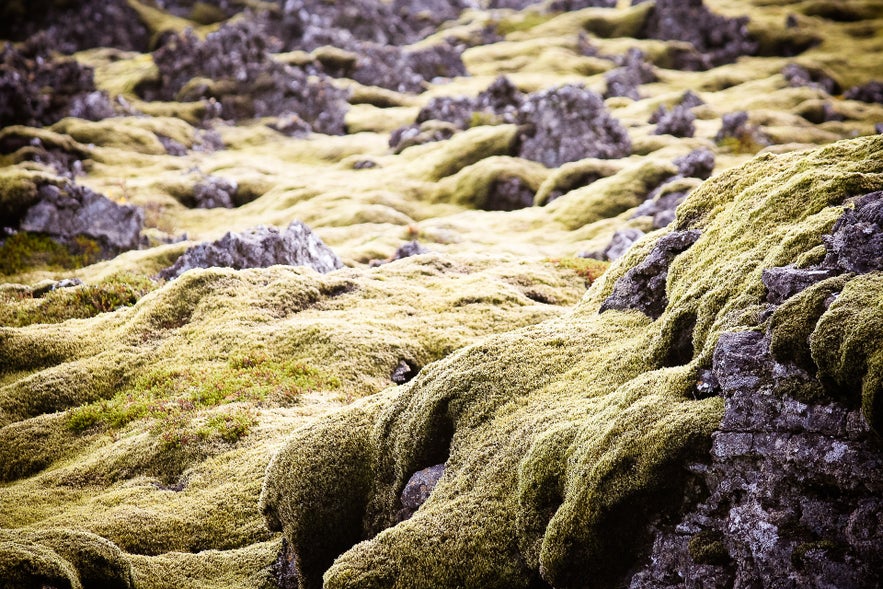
[{"x": 563, "y": 440}]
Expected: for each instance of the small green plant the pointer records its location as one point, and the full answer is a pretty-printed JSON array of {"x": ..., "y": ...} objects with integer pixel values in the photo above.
[
  {"x": 25, "y": 251},
  {"x": 178, "y": 400}
]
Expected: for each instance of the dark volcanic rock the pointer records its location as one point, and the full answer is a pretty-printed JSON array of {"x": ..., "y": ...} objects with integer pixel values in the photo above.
[
  {"x": 38, "y": 90},
  {"x": 677, "y": 121},
  {"x": 624, "y": 80},
  {"x": 786, "y": 281},
  {"x": 71, "y": 211},
  {"x": 856, "y": 241},
  {"x": 870, "y": 92},
  {"x": 699, "y": 163},
  {"x": 419, "y": 488},
  {"x": 787, "y": 497},
  {"x": 569, "y": 123},
  {"x": 214, "y": 192},
  {"x": 621, "y": 241},
  {"x": 111, "y": 23},
  {"x": 643, "y": 287},
  {"x": 403, "y": 372},
  {"x": 717, "y": 39},
  {"x": 234, "y": 67},
  {"x": 260, "y": 247},
  {"x": 508, "y": 193},
  {"x": 797, "y": 75}
]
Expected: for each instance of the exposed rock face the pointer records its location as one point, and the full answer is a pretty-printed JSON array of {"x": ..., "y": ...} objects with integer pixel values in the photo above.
[
  {"x": 569, "y": 123},
  {"x": 261, "y": 247},
  {"x": 643, "y": 287},
  {"x": 717, "y": 39},
  {"x": 233, "y": 66},
  {"x": 419, "y": 488},
  {"x": 624, "y": 80},
  {"x": 115, "y": 24},
  {"x": 73, "y": 210},
  {"x": 25, "y": 76}
]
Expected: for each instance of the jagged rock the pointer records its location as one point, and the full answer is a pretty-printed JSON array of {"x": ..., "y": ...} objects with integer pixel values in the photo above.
[
  {"x": 735, "y": 125},
  {"x": 406, "y": 250},
  {"x": 569, "y": 123},
  {"x": 699, "y": 163},
  {"x": 70, "y": 211},
  {"x": 25, "y": 76},
  {"x": 403, "y": 372},
  {"x": 214, "y": 192},
  {"x": 870, "y": 92},
  {"x": 856, "y": 241},
  {"x": 691, "y": 99},
  {"x": 634, "y": 71},
  {"x": 661, "y": 208},
  {"x": 234, "y": 67},
  {"x": 419, "y": 488},
  {"x": 717, "y": 39},
  {"x": 643, "y": 287},
  {"x": 797, "y": 75},
  {"x": 508, "y": 193},
  {"x": 418, "y": 134},
  {"x": 113, "y": 23},
  {"x": 621, "y": 241},
  {"x": 260, "y": 247},
  {"x": 784, "y": 282},
  {"x": 64, "y": 158},
  {"x": 677, "y": 122}
]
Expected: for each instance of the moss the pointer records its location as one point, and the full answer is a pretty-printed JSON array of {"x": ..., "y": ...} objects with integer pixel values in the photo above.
[
  {"x": 446, "y": 158},
  {"x": 562, "y": 440},
  {"x": 112, "y": 293},
  {"x": 846, "y": 346},
  {"x": 18, "y": 191},
  {"x": 574, "y": 175},
  {"x": 31, "y": 445},
  {"x": 471, "y": 186},
  {"x": 608, "y": 197},
  {"x": 137, "y": 134},
  {"x": 707, "y": 547},
  {"x": 24, "y": 251},
  {"x": 587, "y": 268}
]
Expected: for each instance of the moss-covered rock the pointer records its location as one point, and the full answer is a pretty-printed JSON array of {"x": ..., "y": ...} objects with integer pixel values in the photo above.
[{"x": 562, "y": 440}]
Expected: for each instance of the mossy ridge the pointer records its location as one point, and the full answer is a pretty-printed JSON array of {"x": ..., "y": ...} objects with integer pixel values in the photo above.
[{"x": 634, "y": 423}]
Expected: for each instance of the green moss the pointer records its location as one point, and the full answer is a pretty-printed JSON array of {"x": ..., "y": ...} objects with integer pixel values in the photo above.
[
  {"x": 707, "y": 547},
  {"x": 563, "y": 439},
  {"x": 471, "y": 186},
  {"x": 847, "y": 348},
  {"x": 112, "y": 293},
  {"x": 573, "y": 175},
  {"x": 25, "y": 251}
]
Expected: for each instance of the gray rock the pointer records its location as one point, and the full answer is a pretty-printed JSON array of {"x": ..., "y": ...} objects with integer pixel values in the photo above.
[
  {"x": 871, "y": 92},
  {"x": 699, "y": 163},
  {"x": 643, "y": 287},
  {"x": 403, "y": 372},
  {"x": 260, "y": 247},
  {"x": 856, "y": 241},
  {"x": 420, "y": 487},
  {"x": 677, "y": 122},
  {"x": 508, "y": 193},
  {"x": 624, "y": 80},
  {"x": 214, "y": 192},
  {"x": 798, "y": 75},
  {"x": 784, "y": 282},
  {"x": 569, "y": 123},
  {"x": 71, "y": 211},
  {"x": 621, "y": 241}
]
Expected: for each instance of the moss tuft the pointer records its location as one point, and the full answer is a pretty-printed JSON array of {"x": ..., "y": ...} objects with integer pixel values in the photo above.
[{"x": 707, "y": 547}]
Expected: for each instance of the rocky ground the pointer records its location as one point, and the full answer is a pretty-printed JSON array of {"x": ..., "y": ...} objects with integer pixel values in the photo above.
[{"x": 483, "y": 293}]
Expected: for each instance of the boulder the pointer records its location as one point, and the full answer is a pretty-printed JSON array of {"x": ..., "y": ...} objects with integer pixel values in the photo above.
[{"x": 260, "y": 247}]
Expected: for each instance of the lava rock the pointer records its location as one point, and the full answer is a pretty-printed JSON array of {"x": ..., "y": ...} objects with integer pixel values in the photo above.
[
  {"x": 717, "y": 39},
  {"x": 569, "y": 123},
  {"x": 677, "y": 122},
  {"x": 871, "y": 92},
  {"x": 403, "y": 372},
  {"x": 797, "y": 76},
  {"x": 784, "y": 282},
  {"x": 111, "y": 23},
  {"x": 70, "y": 211},
  {"x": 621, "y": 241},
  {"x": 214, "y": 192},
  {"x": 699, "y": 163},
  {"x": 260, "y": 247},
  {"x": 244, "y": 79},
  {"x": 856, "y": 240},
  {"x": 508, "y": 193},
  {"x": 418, "y": 489},
  {"x": 624, "y": 80},
  {"x": 37, "y": 90},
  {"x": 643, "y": 287},
  {"x": 661, "y": 208}
]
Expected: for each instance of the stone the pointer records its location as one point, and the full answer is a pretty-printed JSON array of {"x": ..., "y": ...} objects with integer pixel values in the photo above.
[
  {"x": 71, "y": 210},
  {"x": 403, "y": 372},
  {"x": 214, "y": 192},
  {"x": 784, "y": 282},
  {"x": 569, "y": 123},
  {"x": 508, "y": 193},
  {"x": 716, "y": 39},
  {"x": 677, "y": 122},
  {"x": 260, "y": 247},
  {"x": 798, "y": 75},
  {"x": 643, "y": 287},
  {"x": 856, "y": 240},
  {"x": 699, "y": 163},
  {"x": 871, "y": 92},
  {"x": 621, "y": 241},
  {"x": 420, "y": 487},
  {"x": 634, "y": 71}
]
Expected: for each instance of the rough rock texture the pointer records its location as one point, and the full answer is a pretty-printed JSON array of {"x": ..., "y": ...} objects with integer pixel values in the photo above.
[
  {"x": 508, "y": 193},
  {"x": 798, "y": 75},
  {"x": 634, "y": 71},
  {"x": 569, "y": 123},
  {"x": 70, "y": 211},
  {"x": 870, "y": 92},
  {"x": 621, "y": 241},
  {"x": 419, "y": 488},
  {"x": 716, "y": 39},
  {"x": 259, "y": 248},
  {"x": 677, "y": 122},
  {"x": 25, "y": 76},
  {"x": 233, "y": 66},
  {"x": 213, "y": 192},
  {"x": 699, "y": 163},
  {"x": 643, "y": 287},
  {"x": 113, "y": 23}
]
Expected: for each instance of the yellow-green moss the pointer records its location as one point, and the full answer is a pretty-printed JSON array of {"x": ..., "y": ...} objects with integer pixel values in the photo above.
[
  {"x": 561, "y": 440},
  {"x": 847, "y": 346}
]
